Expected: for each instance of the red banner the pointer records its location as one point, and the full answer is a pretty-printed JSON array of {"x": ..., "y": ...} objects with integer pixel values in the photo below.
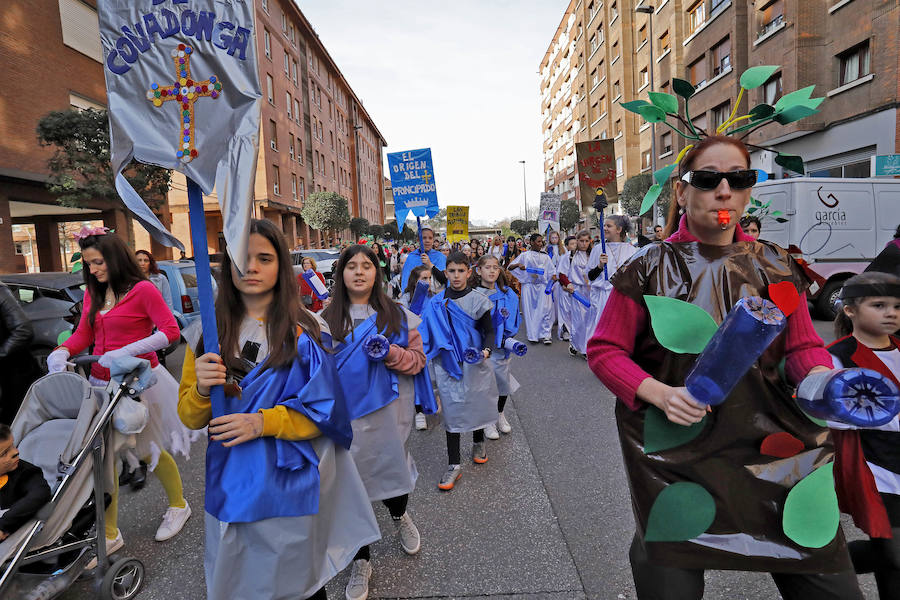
[{"x": 596, "y": 167}]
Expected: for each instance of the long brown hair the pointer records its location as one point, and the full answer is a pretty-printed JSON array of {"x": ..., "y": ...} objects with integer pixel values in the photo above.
[
  {"x": 153, "y": 268},
  {"x": 122, "y": 270},
  {"x": 389, "y": 316},
  {"x": 413, "y": 280},
  {"x": 283, "y": 314},
  {"x": 843, "y": 326},
  {"x": 475, "y": 277},
  {"x": 687, "y": 164}
]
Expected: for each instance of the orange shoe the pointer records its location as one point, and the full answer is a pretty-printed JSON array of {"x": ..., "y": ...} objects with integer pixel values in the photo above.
[
  {"x": 454, "y": 472},
  {"x": 479, "y": 454}
]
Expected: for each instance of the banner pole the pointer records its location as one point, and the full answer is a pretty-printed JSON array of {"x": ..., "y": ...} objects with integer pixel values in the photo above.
[
  {"x": 603, "y": 244},
  {"x": 419, "y": 226},
  {"x": 204, "y": 283}
]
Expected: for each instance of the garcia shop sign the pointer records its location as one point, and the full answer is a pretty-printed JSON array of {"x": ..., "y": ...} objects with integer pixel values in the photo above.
[{"x": 833, "y": 215}]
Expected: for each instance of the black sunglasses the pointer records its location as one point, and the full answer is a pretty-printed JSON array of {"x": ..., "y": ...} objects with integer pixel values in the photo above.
[{"x": 709, "y": 180}]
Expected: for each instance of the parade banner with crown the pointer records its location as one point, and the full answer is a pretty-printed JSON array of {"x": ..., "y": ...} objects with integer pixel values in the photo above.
[
  {"x": 412, "y": 184},
  {"x": 183, "y": 93}
]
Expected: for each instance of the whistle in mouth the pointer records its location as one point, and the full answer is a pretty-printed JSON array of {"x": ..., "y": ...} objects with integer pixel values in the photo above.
[{"x": 724, "y": 217}]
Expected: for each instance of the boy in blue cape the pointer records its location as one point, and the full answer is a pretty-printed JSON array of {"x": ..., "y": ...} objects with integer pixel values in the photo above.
[
  {"x": 457, "y": 322},
  {"x": 426, "y": 255}
]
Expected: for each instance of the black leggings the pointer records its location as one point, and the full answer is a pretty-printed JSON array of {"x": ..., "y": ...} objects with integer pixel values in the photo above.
[
  {"x": 320, "y": 595},
  {"x": 881, "y": 556},
  {"x": 396, "y": 506},
  {"x": 656, "y": 582},
  {"x": 453, "y": 445},
  {"x": 501, "y": 403}
]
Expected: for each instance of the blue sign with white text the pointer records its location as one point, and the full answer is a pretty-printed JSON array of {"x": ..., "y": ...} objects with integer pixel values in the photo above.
[{"x": 412, "y": 183}]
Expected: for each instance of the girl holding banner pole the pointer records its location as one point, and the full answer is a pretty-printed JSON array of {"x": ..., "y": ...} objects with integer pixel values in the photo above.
[
  {"x": 286, "y": 509},
  {"x": 602, "y": 265}
]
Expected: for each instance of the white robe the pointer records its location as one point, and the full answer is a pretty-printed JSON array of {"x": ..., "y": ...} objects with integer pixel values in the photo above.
[
  {"x": 617, "y": 254},
  {"x": 563, "y": 299},
  {"x": 580, "y": 314},
  {"x": 537, "y": 307}
]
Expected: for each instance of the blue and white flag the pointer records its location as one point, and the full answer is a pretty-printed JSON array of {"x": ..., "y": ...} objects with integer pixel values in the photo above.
[
  {"x": 412, "y": 184},
  {"x": 184, "y": 94}
]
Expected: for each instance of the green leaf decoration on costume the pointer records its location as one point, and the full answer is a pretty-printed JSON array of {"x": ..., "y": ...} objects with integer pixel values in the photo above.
[
  {"x": 666, "y": 102},
  {"x": 680, "y": 326},
  {"x": 75, "y": 257},
  {"x": 811, "y": 516},
  {"x": 77, "y": 267},
  {"x": 650, "y": 197},
  {"x": 790, "y": 162},
  {"x": 660, "y": 176},
  {"x": 756, "y": 76},
  {"x": 63, "y": 336},
  {"x": 781, "y": 220},
  {"x": 661, "y": 434},
  {"x": 683, "y": 88},
  {"x": 681, "y": 512},
  {"x": 801, "y": 96},
  {"x": 634, "y": 105},
  {"x": 794, "y": 113},
  {"x": 761, "y": 111},
  {"x": 752, "y": 210},
  {"x": 652, "y": 114}
]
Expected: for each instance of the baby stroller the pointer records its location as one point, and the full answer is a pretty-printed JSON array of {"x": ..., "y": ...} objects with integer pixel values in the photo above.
[{"x": 64, "y": 427}]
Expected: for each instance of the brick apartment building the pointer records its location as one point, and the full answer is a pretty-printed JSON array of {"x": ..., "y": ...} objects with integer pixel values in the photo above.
[
  {"x": 316, "y": 135},
  {"x": 603, "y": 54}
]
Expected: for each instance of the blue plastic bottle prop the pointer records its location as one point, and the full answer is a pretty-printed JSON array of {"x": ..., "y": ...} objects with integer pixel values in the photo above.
[
  {"x": 515, "y": 346},
  {"x": 738, "y": 343},
  {"x": 549, "y": 287},
  {"x": 534, "y": 270},
  {"x": 377, "y": 347},
  {"x": 859, "y": 397},
  {"x": 582, "y": 299},
  {"x": 419, "y": 297}
]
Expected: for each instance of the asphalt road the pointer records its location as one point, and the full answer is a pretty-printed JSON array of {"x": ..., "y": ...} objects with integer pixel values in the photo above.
[{"x": 547, "y": 517}]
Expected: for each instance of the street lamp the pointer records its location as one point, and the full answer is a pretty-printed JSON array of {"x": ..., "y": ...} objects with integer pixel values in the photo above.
[
  {"x": 524, "y": 190},
  {"x": 648, "y": 10}
]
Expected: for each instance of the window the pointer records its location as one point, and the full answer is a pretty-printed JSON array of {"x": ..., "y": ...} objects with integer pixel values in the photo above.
[
  {"x": 642, "y": 35},
  {"x": 618, "y": 127},
  {"x": 291, "y": 146},
  {"x": 602, "y": 104},
  {"x": 697, "y": 72},
  {"x": 270, "y": 89},
  {"x": 592, "y": 10},
  {"x": 294, "y": 69},
  {"x": 293, "y": 186},
  {"x": 620, "y": 166},
  {"x": 721, "y": 54},
  {"x": 268, "y": 41},
  {"x": 331, "y": 138},
  {"x": 299, "y": 150},
  {"x": 595, "y": 111},
  {"x": 613, "y": 12},
  {"x": 721, "y": 113},
  {"x": 287, "y": 64},
  {"x": 617, "y": 90},
  {"x": 645, "y": 160},
  {"x": 603, "y": 135},
  {"x": 333, "y": 171},
  {"x": 696, "y": 16},
  {"x": 297, "y": 113},
  {"x": 701, "y": 122},
  {"x": 772, "y": 15},
  {"x": 666, "y": 143},
  {"x": 594, "y": 44},
  {"x": 276, "y": 180},
  {"x": 595, "y": 79},
  {"x": 265, "y": 6},
  {"x": 615, "y": 51},
  {"x": 644, "y": 78},
  {"x": 772, "y": 89},
  {"x": 854, "y": 63},
  {"x": 273, "y": 135},
  {"x": 601, "y": 70},
  {"x": 301, "y": 189},
  {"x": 291, "y": 32},
  {"x": 664, "y": 41},
  {"x": 80, "y": 28},
  {"x": 81, "y": 103},
  {"x": 283, "y": 22}
]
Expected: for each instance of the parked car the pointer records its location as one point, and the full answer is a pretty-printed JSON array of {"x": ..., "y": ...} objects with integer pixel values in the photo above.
[
  {"x": 325, "y": 259},
  {"x": 182, "y": 276},
  {"x": 52, "y": 301}
]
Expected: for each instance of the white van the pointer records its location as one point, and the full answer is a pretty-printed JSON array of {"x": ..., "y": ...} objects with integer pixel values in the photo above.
[{"x": 834, "y": 227}]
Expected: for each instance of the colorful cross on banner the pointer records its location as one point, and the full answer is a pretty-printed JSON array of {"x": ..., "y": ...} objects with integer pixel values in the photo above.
[{"x": 185, "y": 91}]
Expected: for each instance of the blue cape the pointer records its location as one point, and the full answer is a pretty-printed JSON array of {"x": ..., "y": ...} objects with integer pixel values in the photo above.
[
  {"x": 510, "y": 301},
  {"x": 270, "y": 477},
  {"x": 415, "y": 259},
  {"x": 369, "y": 384},
  {"x": 446, "y": 332}
]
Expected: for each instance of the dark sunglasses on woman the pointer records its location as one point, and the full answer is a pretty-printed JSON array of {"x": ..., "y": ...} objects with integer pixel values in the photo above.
[{"x": 709, "y": 180}]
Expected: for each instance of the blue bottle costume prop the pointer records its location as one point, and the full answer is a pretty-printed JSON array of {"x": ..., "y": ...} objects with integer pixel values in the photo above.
[
  {"x": 380, "y": 405},
  {"x": 468, "y": 391},
  {"x": 272, "y": 503},
  {"x": 507, "y": 302}
]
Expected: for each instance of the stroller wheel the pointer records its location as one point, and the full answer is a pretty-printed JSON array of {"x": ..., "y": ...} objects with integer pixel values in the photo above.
[{"x": 123, "y": 580}]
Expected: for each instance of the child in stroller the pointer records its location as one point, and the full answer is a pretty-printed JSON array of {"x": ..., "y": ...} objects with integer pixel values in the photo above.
[{"x": 23, "y": 490}]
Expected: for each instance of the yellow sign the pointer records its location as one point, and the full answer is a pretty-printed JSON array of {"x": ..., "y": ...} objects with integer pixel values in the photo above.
[{"x": 457, "y": 223}]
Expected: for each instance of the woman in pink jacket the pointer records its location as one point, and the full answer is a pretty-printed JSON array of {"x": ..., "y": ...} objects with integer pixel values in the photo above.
[{"x": 122, "y": 308}]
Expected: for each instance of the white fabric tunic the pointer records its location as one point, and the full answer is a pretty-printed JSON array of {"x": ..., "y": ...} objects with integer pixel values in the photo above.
[
  {"x": 537, "y": 307},
  {"x": 579, "y": 314},
  {"x": 563, "y": 299},
  {"x": 617, "y": 254}
]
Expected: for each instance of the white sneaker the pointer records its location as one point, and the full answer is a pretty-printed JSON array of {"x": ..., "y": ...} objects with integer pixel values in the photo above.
[
  {"x": 410, "y": 540},
  {"x": 503, "y": 424},
  {"x": 358, "y": 586},
  {"x": 490, "y": 432},
  {"x": 421, "y": 423},
  {"x": 173, "y": 521},
  {"x": 112, "y": 546}
]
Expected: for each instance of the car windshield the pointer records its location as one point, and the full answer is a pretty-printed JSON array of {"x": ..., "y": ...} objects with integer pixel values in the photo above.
[{"x": 189, "y": 274}]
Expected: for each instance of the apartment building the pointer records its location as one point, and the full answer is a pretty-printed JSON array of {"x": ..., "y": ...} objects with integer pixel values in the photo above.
[
  {"x": 315, "y": 133},
  {"x": 604, "y": 53}
]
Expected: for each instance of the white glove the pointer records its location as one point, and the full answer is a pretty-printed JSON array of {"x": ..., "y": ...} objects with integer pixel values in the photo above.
[
  {"x": 151, "y": 343},
  {"x": 57, "y": 360}
]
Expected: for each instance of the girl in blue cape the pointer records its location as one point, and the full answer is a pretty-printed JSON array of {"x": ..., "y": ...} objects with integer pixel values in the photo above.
[
  {"x": 286, "y": 509},
  {"x": 489, "y": 279},
  {"x": 457, "y": 322},
  {"x": 420, "y": 273},
  {"x": 380, "y": 392}
]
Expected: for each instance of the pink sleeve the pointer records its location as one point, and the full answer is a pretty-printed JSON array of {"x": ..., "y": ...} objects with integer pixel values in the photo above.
[
  {"x": 84, "y": 333},
  {"x": 158, "y": 311},
  {"x": 804, "y": 348},
  {"x": 609, "y": 350},
  {"x": 409, "y": 360}
]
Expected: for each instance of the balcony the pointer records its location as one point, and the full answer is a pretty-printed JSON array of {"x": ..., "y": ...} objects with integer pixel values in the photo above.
[{"x": 770, "y": 26}]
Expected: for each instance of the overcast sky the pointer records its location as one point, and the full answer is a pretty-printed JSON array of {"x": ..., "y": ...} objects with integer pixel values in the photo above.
[{"x": 459, "y": 77}]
